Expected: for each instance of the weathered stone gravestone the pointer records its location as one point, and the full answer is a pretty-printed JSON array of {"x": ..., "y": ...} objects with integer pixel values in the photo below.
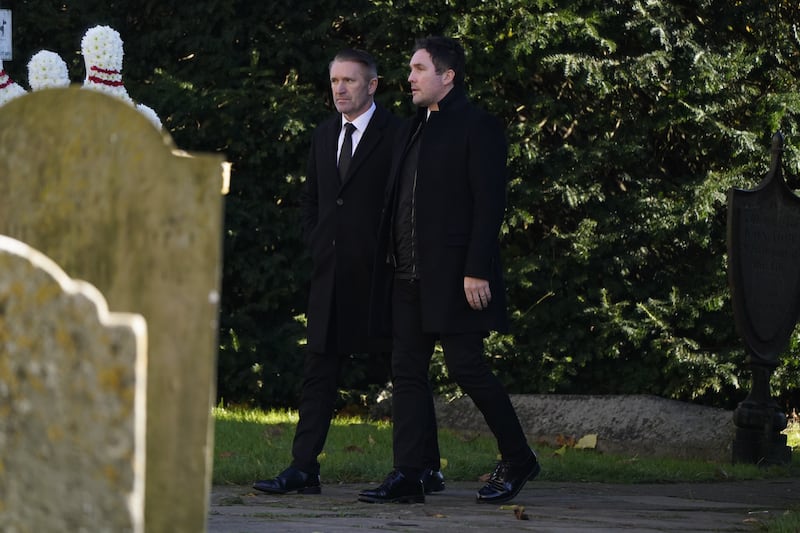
[
  {"x": 88, "y": 181},
  {"x": 72, "y": 402},
  {"x": 764, "y": 278}
]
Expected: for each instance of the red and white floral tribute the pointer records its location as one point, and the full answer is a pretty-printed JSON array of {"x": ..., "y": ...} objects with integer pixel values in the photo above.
[
  {"x": 9, "y": 89},
  {"x": 102, "y": 54}
]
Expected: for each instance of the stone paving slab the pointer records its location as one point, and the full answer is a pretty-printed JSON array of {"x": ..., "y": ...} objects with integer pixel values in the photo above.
[{"x": 550, "y": 507}]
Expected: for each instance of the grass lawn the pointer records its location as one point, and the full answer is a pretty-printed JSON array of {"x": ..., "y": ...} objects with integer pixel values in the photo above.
[{"x": 253, "y": 444}]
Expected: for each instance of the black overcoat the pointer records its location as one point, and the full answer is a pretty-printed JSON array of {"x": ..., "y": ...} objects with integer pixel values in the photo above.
[
  {"x": 340, "y": 227},
  {"x": 460, "y": 203}
]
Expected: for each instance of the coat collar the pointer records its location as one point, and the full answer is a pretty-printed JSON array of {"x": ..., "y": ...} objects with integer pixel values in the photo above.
[{"x": 456, "y": 98}]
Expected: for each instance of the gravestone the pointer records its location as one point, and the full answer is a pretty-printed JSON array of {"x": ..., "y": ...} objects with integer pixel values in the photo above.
[
  {"x": 764, "y": 279},
  {"x": 87, "y": 180},
  {"x": 72, "y": 402}
]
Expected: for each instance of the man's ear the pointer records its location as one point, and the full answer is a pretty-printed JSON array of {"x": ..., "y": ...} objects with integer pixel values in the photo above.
[
  {"x": 373, "y": 86},
  {"x": 449, "y": 76}
]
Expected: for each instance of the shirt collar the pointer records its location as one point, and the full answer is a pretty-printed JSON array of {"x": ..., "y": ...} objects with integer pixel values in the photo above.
[{"x": 362, "y": 120}]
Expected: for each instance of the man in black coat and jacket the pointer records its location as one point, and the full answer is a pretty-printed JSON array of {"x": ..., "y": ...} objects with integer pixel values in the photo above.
[
  {"x": 348, "y": 166},
  {"x": 443, "y": 279}
]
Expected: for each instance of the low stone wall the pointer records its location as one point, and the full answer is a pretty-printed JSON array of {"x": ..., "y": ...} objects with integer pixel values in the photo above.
[{"x": 628, "y": 425}]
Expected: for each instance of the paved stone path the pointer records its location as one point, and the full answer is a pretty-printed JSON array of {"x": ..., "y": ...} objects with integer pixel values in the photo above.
[{"x": 549, "y": 507}]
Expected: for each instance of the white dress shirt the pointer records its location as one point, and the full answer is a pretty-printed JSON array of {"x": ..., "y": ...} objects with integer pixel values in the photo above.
[{"x": 361, "y": 123}]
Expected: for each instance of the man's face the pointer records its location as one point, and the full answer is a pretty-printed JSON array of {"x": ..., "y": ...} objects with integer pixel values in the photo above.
[
  {"x": 352, "y": 88},
  {"x": 427, "y": 87}
]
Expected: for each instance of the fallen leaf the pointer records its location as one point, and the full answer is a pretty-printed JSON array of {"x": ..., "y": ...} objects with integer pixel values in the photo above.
[
  {"x": 561, "y": 451},
  {"x": 519, "y": 514},
  {"x": 353, "y": 449},
  {"x": 587, "y": 441},
  {"x": 226, "y": 455},
  {"x": 371, "y": 440},
  {"x": 442, "y": 463},
  {"x": 561, "y": 440},
  {"x": 518, "y": 510}
]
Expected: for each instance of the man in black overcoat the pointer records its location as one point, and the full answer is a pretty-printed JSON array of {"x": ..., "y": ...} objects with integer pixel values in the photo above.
[
  {"x": 348, "y": 166},
  {"x": 439, "y": 271}
]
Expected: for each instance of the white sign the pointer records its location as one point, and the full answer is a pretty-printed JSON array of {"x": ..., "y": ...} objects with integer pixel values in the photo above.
[{"x": 5, "y": 35}]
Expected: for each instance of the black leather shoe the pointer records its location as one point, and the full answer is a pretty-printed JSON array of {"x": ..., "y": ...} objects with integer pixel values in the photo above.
[
  {"x": 290, "y": 480},
  {"x": 432, "y": 481},
  {"x": 395, "y": 488},
  {"x": 507, "y": 480}
]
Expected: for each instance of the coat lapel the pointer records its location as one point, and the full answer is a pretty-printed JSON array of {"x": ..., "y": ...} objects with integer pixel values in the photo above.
[{"x": 332, "y": 147}]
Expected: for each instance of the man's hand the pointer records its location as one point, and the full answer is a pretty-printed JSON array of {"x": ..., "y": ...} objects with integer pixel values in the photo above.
[{"x": 477, "y": 292}]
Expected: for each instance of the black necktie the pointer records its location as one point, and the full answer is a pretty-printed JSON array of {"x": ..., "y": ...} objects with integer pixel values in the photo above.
[{"x": 346, "y": 154}]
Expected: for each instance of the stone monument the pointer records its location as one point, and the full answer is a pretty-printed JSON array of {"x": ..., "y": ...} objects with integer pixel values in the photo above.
[
  {"x": 72, "y": 402},
  {"x": 764, "y": 278},
  {"x": 88, "y": 181}
]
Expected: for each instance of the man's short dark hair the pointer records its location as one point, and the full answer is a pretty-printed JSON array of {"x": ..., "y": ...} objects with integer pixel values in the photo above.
[
  {"x": 357, "y": 56},
  {"x": 446, "y": 53}
]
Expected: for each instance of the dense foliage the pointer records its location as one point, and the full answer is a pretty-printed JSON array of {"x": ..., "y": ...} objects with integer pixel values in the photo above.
[{"x": 628, "y": 121}]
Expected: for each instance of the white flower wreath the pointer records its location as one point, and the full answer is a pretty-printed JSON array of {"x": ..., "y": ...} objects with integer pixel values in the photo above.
[{"x": 47, "y": 70}]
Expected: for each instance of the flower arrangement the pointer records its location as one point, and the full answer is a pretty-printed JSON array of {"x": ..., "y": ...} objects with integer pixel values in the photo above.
[
  {"x": 102, "y": 54},
  {"x": 47, "y": 70},
  {"x": 150, "y": 114},
  {"x": 9, "y": 89}
]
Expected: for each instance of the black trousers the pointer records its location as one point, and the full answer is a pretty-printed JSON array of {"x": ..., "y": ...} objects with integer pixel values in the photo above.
[
  {"x": 466, "y": 365},
  {"x": 318, "y": 400}
]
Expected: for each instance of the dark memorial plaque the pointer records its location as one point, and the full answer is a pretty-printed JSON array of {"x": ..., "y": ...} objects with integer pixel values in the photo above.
[
  {"x": 764, "y": 263},
  {"x": 764, "y": 279}
]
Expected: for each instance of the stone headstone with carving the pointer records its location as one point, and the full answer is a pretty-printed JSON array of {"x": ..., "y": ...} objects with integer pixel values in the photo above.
[
  {"x": 87, "y": 180},
  {"x": 764, "y": 279},
  {"x": 72, "y": 402}
]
